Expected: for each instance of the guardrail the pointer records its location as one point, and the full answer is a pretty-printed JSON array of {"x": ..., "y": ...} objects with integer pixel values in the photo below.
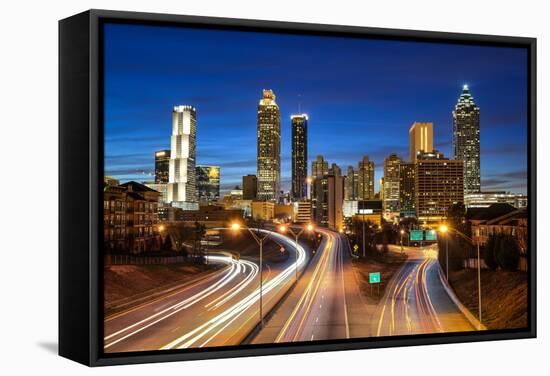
[{"x": 143, "y": 260}]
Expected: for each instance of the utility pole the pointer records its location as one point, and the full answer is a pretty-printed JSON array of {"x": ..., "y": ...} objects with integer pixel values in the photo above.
[{"x": 478, "y": 278}]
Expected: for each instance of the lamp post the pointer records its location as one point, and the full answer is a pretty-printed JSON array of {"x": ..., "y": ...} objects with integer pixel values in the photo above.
[
  {"x": 363, "y": 212},
  {"x": 401, "y": 241},
  {"x": 478, "y": 276},
  {"x": 285, "y": 228},
  {"x": 260, "y": 240},
  {"x": 443, "y": 227}
]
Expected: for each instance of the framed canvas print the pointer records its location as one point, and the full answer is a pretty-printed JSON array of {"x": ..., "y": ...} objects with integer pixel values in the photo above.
[{"x": 237, "y": 187}]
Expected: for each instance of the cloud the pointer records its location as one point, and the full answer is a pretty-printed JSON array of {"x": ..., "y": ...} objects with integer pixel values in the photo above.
[
  {"x": 505, "y": 181},
  {"x": 129, "y": 171}
]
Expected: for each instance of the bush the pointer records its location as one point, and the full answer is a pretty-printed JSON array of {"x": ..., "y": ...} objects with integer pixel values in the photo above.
[
  {"x": 166, "y": 244},
  {"x": 490, "y": 251},
  {"x": 459, "y": 251},
  {"x": 507, "y": 253}
]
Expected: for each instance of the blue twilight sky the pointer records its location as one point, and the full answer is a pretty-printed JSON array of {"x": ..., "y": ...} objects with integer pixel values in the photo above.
[{"x": 361, "y": 97}]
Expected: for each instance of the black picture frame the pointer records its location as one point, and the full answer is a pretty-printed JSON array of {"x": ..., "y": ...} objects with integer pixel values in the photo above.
[{"x": 81, "y": 173}]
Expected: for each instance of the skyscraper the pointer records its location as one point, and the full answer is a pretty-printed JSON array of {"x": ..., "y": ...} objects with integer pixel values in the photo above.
[
  {"x": 466, "y": 140},
  {"x": 335, "y": 170},
  {"x": 162, "y": 166},
  {"x": 182, "y": 175},
  {"x": 299, "y": 155},
  {"x": 250, "y": 187},
  {"x": 391, "y": 183},
  {"x": 269, "y": 147},
  {"x": 329, "y": 199},
  {"x": 439, "y": 183},
  {"x": 208, "y": 184},
  {"x": 407, "y": 202},
  {"x": 350, "y": 192},
  {"x": 365, "y": 175},
  {"x": 421, "y": 138},
  {"x": 319, "y": 167}
]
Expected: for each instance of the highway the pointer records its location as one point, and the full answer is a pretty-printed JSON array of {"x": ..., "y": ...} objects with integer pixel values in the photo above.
[
  {"x": 318, "y": 307},
  {"x": 218, "y": 310},
  {"x": 416, "y": 302}
]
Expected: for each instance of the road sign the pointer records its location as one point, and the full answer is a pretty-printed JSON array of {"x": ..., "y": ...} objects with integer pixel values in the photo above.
[
  {"x": 431, "y": 235},
  {"x": 374, "y": 277},
  {"x": 355, "y": 248},
  {"x": 416, "y": 235}
]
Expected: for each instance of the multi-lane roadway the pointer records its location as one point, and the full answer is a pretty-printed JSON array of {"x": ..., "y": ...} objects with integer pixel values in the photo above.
[
  {"x": 416, "y": 301},
  {"x": 220, "y": 309},
  {"x": 325, "y": 303}
]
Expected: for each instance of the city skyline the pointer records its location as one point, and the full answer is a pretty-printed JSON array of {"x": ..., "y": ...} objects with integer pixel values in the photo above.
[{"x": 133, "y": 133}]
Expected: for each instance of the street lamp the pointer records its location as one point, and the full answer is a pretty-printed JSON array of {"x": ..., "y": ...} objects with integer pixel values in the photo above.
[
  {"x": 260, "y": 240},
  {"x": 444, "y": 228},
  {"x": 284, "y": 228},
  {"x": 363, "y": 212},
  {"x": 401, "y": 241}
]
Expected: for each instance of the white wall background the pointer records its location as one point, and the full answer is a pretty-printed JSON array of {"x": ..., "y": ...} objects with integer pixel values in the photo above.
[{"x": 28, "y": 209}]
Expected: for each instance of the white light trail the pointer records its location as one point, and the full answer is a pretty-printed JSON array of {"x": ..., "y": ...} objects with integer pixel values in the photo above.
[
  {"x": 175, "y": 308},
  {"x": 224, "y": 319}
]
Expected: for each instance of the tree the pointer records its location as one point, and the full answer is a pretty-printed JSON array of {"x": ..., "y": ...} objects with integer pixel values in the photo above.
[
  {"x": 489, "y": 255},
  {"x": 507, "y": 253},
  {"x": 370, "y": 235},
  {"x": 456, "y": 215},
  {"x": 167, "y": 243},
  {"x": 198, "y": 234}
]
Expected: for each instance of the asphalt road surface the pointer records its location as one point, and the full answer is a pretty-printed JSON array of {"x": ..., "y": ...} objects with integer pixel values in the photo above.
[
  {"x": 321, "y": 310},
  {"x": 218, "y": 310},
  {"x": 416, "y": 301}
]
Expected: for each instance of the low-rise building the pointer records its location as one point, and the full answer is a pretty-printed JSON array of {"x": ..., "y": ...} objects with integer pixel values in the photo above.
[
  {"x": 303, "y": 211},
  {"x": 486, "y": 199},
  {"x": 210, "y": 215},
  {"x": 504, "y": 221},
  {"x": 285, "y": 212},
  {"x": 130, "y": 217},
  {"x": 369, "y": 211},
  {"x": 263, "y": 210}
]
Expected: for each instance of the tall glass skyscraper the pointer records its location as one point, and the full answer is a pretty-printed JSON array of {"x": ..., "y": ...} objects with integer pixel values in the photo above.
[
  {"x": 407, "y": 197},
  {"x": 390, "y": 187},
  {"x": 162, "y": 166},
  {"x": 182, "y": 191},
  {"x": 269, "y": 147},
  {"x": 365, "y": 174},
  {"x": 299, "y": 155},
  {"x": 466, "y": 140}
]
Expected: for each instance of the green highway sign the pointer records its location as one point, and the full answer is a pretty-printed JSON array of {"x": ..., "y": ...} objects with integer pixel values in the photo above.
[
  {"x": 431, "y": 235},
  {"x": 374, "y": 277},
  {"x": 417, "y": 235}
]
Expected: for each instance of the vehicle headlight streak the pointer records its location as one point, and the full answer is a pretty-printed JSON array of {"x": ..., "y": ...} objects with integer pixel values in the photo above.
[
  {"x": 233, "y": 272},
  {"x": 224, "y": 319},
  {"x": 221, "y": 321}
]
